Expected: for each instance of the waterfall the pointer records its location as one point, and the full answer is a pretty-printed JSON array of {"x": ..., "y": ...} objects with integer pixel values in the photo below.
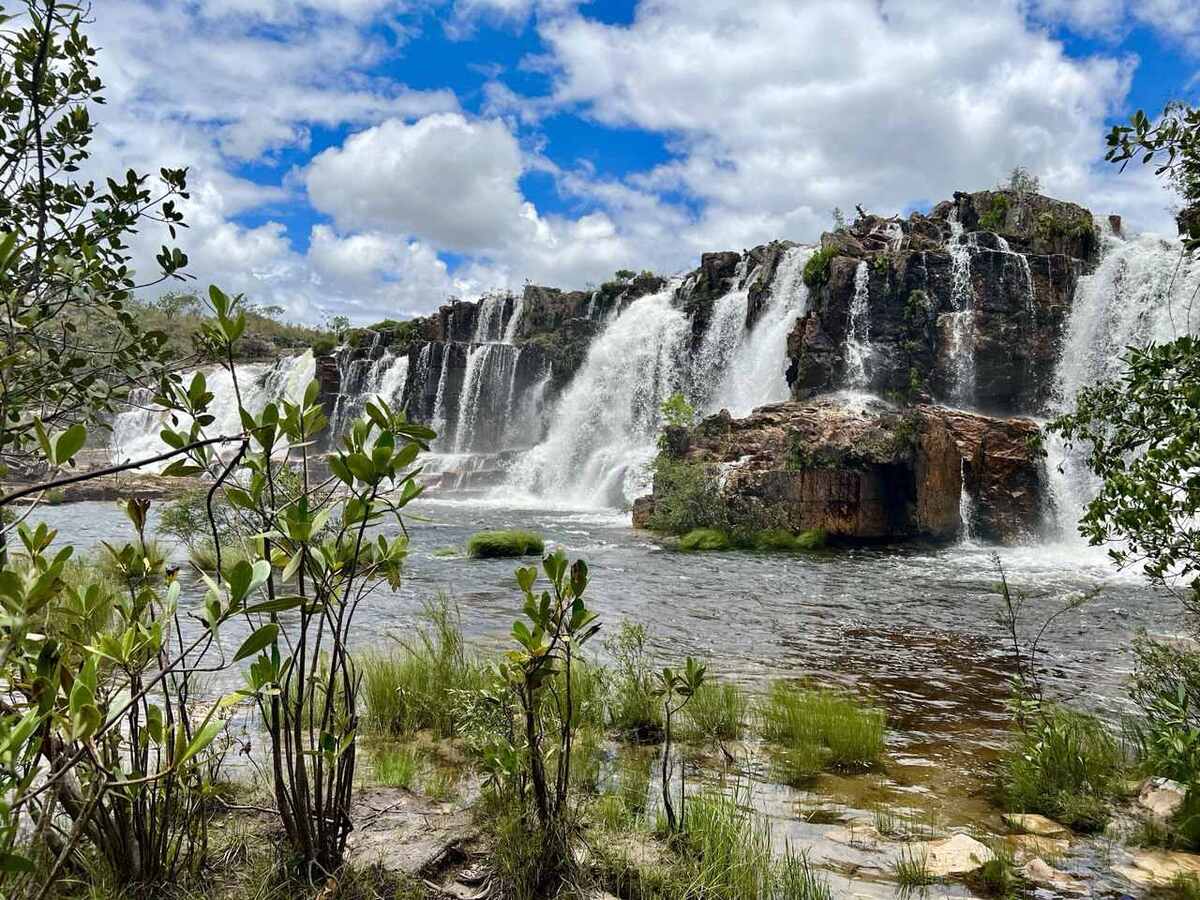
[
  {"x": 514, "y": 320},
  {"x": 604, "y": 426},
  {"x": 438, "y": 423},
  {"x": 362, "y": 379},
  {"x": 135, "y": 432},
  {"x": 966, "y": 505},
  {"x": 486, "y": 399},
  {"x": 723, "y": 336},
  {"x": 756, "y": 373},
  {"x": 858, "y": 331},
  {"x": 961, "y": 331},
  {"x": 1141, "y": 291},
  {"x": 489, "y": 320}
]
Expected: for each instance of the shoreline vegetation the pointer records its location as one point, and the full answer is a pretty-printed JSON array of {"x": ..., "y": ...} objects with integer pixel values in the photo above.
[{"x": 147, "y": 752}]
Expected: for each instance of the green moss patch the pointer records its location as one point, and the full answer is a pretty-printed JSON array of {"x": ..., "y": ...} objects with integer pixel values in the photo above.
[
  {"x": 705, "y": 539},
  {"x": 782, "y": 539},
  {"x": 504, "y": 544}
]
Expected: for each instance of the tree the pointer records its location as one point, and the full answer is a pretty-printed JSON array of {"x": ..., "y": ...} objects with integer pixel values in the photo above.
[
  {"x": 177, "y": 303},
  {"x": 1021, "y": 180},
  {"x": 71, "y": 350}
]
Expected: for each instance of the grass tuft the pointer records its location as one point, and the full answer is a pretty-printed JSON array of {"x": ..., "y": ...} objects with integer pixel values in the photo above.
[
  {"x": 716, "y": 712},
  {"x": 811, "y": 724},
  {"x": 504, "y": 544},
  {"x": 397, "y": 767},
  {"x": 415, "y": 687}
]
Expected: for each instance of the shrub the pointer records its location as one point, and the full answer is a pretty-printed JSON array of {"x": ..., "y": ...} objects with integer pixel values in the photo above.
[
  {"x": 414, "y": 688},
  {"x": 504, "y": 544},
  {"x": 816, "y": 270},
  {"x": 705, "y": 539},
  {"x": 632, "y": 707},
  {"x": 848, "y": 734},
  {"x": 717, "y": 711},
  {"x": 1065, "y": 765},
  {"x": 995, "y": 217},
  {"x": 1166, "y": 689},
  {"x": 686, "y": 497}
]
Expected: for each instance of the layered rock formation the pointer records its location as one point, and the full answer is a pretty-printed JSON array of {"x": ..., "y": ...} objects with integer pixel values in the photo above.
[
  {"x": 966, "y": 305},
  {"x": 868, "y": 471}
]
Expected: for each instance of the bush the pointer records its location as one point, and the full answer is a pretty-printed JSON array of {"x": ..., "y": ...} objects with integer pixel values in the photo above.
[
  {"x": 504, "y": 544},
  {"x": 1166, "y": 688},
  {"x": 1065, "y": 765},
  {"x": 415, "y": 688},
  {"x": 995, "y": 217},
  {"x": 813, "y": 722},
  {"x": 686, "y": 497},
  {"x": 816, "y": 270},
  {"x": 705, "y": 539}
]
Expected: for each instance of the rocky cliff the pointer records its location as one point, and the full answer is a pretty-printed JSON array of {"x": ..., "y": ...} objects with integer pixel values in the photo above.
[
  {"x": 868, "y": 471},
  {"x": 966, "y": 305}
]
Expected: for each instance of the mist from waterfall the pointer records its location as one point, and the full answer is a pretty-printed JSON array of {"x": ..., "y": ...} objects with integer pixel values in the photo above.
[{"x": 1141, "y": 291}]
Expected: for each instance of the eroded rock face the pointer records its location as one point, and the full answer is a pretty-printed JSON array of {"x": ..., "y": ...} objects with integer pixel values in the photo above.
[
  {"x": 868, "y": 471},
  {"x": 991, "y": 275}
]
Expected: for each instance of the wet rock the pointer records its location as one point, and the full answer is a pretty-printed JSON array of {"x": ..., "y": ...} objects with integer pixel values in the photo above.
[
  {"x": 1160, "y": 798},
  {"x": 1159, "y": 867},
  {"x": 1032, "y": 823},
  {"x": 1042, "y": 874},
  {"x": 959, "y": 854},
  {"x": 1020, "y": 279},
  {"x": 867, "y": 471},
  {"x": 643, "y": 510}
]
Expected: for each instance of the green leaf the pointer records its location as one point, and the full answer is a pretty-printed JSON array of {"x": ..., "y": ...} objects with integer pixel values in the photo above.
[
  {"x": 70, "y": 442},
  {"x": 202, "y": 739},
  {"x": 259, "y": 640}
]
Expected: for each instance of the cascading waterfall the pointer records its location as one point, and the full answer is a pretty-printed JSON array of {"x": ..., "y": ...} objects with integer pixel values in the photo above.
[
  {"x": 1140, "y": 292},
  {"x": 961, "y": 332},
  {"x": 486, "y": 398},
  {"x": 858, "y": 331},
  {"x": 604, "y": 427},
  {"x": 363, "y": 379},
  {"x": 756, "y": 374},
  {"x": 723, "y": 336},
  {"x": 135, "y": 432},
  {"x": 514, "y": 320}
]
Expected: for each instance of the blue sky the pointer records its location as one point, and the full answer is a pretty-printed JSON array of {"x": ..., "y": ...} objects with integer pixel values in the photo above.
[{"x": 372, "y": 157}]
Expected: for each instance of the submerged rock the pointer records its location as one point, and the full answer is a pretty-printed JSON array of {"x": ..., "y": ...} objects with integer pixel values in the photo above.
[
  {"x": 959, "y": 854},
  {"x": 1159, "y": 867},
  {"x": 868, "y": 471},
  {"x": 1042, "y": 874}
]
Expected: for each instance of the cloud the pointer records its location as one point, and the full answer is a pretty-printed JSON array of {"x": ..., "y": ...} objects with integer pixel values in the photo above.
[
  {"x": 785, "y": 109},
  {"x": 1175, "y": 21},
  {"x": 449, "y": 179}
]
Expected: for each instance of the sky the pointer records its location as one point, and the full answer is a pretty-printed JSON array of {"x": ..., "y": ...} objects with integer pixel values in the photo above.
[{"x": 371, "y": 158}]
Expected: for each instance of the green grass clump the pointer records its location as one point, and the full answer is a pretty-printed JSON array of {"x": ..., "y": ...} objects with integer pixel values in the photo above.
[
  {"x": 415, "y": 687},
  {"x": 397, "y": 767},
  {"x": 798, "y": 765},
  {"x": 446, "y": 552},
  {"x": 911, "y": 869},
  {"x": 705, "y": 539},
  {"x": 504, "y": 544},
  {"x": 1065, "y": 765},
  {"x": 717, "y": 711},
  {"x": 633, "y": 710},
  {"x": 204, "y": 556},
  {"x": 726, "y": 848},
  {"x": 796, "y": 879},
  {"x": 810, "y": 721},
  {"x": 782, "y": 539}
]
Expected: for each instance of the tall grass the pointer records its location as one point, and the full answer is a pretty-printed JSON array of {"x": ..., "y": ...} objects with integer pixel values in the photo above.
[
  {"x": 725, "y": 848},
  {"x": 504, "y": 544},
  {"x": 414, "y": 688},
  {"x": 796, "y": 879},
  {"x": 812, "y": 723},
  {"x": 717, "y": 711},
  {"x": 397, "y": 767},
  {"x": 1065, "y": 765},
  {"x": 633, "y": 709}
]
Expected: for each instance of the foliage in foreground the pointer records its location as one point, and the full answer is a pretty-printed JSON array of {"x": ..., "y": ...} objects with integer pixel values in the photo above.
[{"x": 1065, "y": 765}]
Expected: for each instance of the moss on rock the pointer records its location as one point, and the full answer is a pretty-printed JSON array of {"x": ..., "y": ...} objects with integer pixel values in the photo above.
[
  {"x": 504, "y": 544},
  {"x": 705, "y": 539}
]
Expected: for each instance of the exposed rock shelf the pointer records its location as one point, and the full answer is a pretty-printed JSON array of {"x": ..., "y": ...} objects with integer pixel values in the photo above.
[{"x": 868, "y": 471}]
